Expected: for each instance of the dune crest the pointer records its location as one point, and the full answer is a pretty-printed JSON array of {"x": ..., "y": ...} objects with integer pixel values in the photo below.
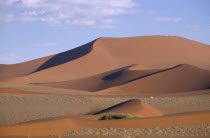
[
  {"x": 181, "y": 78},
  {"x": 21, "y": 69},
  {"x": 104, "y": 80},
  {"x": 111, "y": 53},
  {"x": 133, "y": 107}
]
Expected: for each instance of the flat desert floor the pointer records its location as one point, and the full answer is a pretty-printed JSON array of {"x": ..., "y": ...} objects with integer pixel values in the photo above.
[{"x": 72, "y": 114}]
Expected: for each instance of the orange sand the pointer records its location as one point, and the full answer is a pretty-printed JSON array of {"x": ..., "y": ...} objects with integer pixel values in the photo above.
[{"x": 61, "y": 126}]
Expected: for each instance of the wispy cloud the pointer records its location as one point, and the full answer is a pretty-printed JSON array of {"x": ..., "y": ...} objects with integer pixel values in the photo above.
[
  {"x": 45, "y": 45},
  {"x": 63, "y": 12},
  {"x": 193, "y": 28},
  {"x": 8, "y": 57},
  {"x": 107, "y": 23},
  {"x": 168, "y": 19}
]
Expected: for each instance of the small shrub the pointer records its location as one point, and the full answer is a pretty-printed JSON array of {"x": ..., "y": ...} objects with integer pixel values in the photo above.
[{"x": 111, "y": 116}]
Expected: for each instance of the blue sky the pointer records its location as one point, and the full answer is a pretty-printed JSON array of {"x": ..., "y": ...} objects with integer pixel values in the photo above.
[{"x": 31, "y": 29}]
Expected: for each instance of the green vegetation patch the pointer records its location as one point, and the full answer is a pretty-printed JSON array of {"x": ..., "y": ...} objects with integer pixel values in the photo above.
[{"x": 111, "y": 116}]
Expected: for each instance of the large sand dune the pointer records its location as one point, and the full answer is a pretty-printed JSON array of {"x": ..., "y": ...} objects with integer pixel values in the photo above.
[
  {"x": 112, "y": 53},
  {"x": 105, "y": 80},
  {"x": 181, "y": 78}
]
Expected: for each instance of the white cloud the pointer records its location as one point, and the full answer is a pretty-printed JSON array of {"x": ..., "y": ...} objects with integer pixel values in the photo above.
[
  {"x": 8, "y": 57},
  {"x": 63, "y": 12},
  {"x": 169, "y": 19},
  {"x": 209, "y": 26},
  {"x": 83, "y": 22},
  {"x": 192, "y": 28},
  {"x": 45, "y": 45},
  {"x": 107, "y": 23}
]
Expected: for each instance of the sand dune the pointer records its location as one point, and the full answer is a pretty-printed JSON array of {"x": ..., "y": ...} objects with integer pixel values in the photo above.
[
  {"x": 26, "y": 68},
  {"x": 71, "y": 90},
  {"x": 104, "y": 80},
  {"x": 112, "y": 53},
  {"x": 67, "y": 56},
  {"x": 133, "y": 107},
  {"x": 61, "y": 126},
  {"x": 21, "y": 69},
  {"x": 182, "y": 78}
]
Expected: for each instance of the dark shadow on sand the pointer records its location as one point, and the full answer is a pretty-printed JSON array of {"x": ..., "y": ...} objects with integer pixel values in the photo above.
[
  {"x": 67, "y": 56},
  {"x": 150, "y": 74},
  {"x": 117, "y": 105}
]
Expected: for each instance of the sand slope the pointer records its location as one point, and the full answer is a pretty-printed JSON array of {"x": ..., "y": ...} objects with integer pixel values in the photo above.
[
  {"x": 112, "y": 53},
  {"x": 104, "y": 80},
  {"x": 36, "y": 89},
  {"x": 61, "y": 126},
  {"x": 21, "y": 69},
  {"x": 181, "y": 78},
  {"x": 133, "y": 107}
]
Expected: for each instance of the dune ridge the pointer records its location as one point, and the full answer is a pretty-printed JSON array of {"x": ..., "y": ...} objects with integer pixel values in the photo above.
[
  {"x": 182, "y": 78},
  {"x": 67, "y": 56},
  {"x": 111, "y": 53},
  {"x": 21, "y": 69},
  {"x": 103, "y": 80},
  {"x": 133, "y": 107}
]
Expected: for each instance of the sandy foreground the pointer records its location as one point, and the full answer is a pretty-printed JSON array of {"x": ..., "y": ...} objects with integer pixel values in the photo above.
[
  {"x": 199, "y": 130},
  {"x": 41, "y": 114},
  {"x": 17, "y": 108}
]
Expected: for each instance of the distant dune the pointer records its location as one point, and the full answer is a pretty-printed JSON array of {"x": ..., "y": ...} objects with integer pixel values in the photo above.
[
  {"x": 21, "y": 69},
  {"x": 181, "y": 78},
  {"x": 104, "y": 80},
  {"x": 135, "y": 79},
  {"x": 106, "y": 54},
  {"x": 133, "y": 107}
]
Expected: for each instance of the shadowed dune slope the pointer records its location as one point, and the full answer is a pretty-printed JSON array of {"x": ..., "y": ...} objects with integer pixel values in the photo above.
[
  {"x": 67, "y": 56},
  {"x": 181, "y": 78},
  {"x": 133, "y": 107},
  {"x": 26, "y": 68},
  {"x": 111, "y": 53},
  {"x": 61, "y": 126},
  {"x": 104, "y": 80}
]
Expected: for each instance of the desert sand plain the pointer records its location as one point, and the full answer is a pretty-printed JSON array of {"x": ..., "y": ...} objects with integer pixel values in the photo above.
[{"x": 164, "y": 79}]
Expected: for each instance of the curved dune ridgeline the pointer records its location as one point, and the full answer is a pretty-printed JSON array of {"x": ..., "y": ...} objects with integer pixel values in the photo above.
[
  {"x": 182, "y": 78},
  {"x": 133, "y": 107},
  {"x": 21, "y": 69},
  {"x": 110, "y": 53},
  {"x": 104, "y": 80},
  {"x": 165, "y": 80},
  {"x": 67, "y": 56}
]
